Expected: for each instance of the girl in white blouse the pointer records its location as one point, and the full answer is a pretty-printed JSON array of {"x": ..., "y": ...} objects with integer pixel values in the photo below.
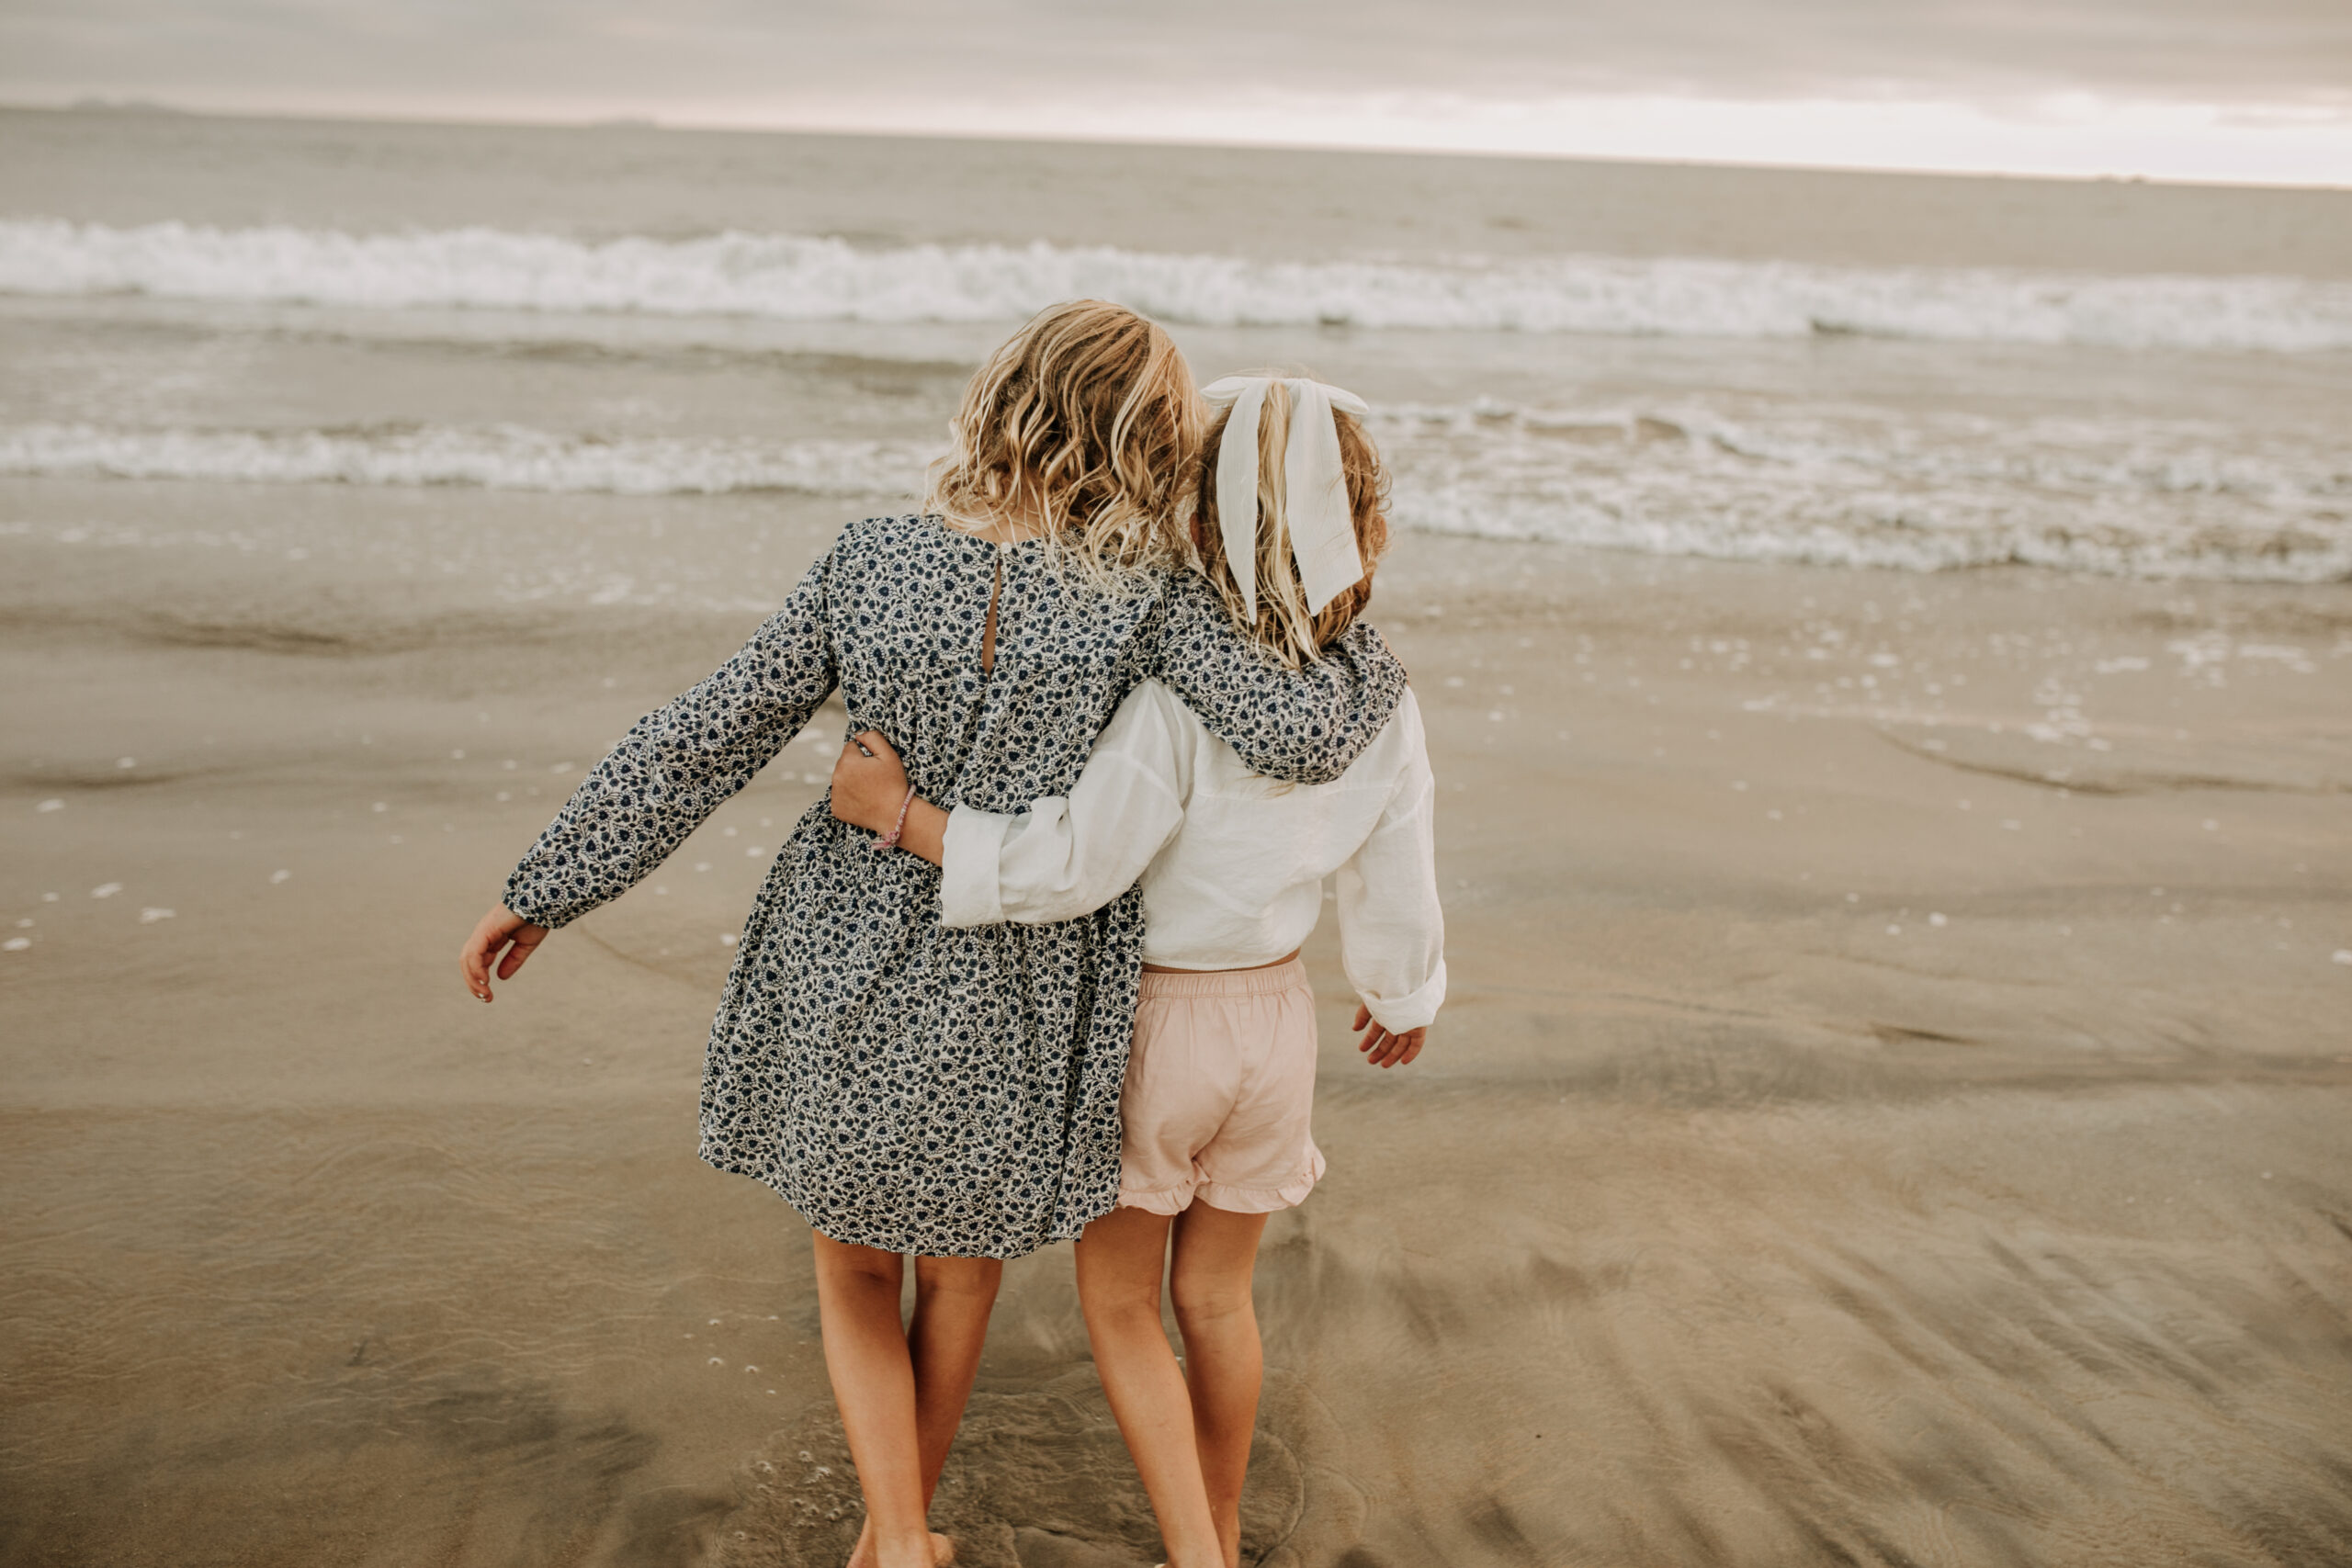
[{"x": 1221, "y": 1080}]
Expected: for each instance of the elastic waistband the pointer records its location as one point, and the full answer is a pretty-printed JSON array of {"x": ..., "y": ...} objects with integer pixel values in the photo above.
[{"x": 1228, "y": 982}]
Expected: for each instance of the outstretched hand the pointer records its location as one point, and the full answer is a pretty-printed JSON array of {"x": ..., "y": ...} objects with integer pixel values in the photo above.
[
  {"x": 500, "y": 931},
  {"x": 869, "y": 783},
  {"x": 1383, "y": 1049}
]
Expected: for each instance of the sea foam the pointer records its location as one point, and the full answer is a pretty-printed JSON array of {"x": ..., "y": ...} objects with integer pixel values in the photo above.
[
  {"x": 2129, "y": 499},
  {"x": 493, "y": 457},
  {"x": 802, "y": 278},
  {"x": 2122, "y": 498}
]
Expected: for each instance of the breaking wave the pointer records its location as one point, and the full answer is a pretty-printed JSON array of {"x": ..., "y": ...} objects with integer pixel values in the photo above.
[
  {"x": 821, "y": 278},
  {"x": 496, "y": 457},
  {"x": 2132, "y": 499},
  {"x": 2128, "y": 499}
]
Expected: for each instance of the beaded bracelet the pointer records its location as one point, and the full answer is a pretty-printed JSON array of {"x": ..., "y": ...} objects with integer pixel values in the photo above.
[{"x": 890, "y": 840}]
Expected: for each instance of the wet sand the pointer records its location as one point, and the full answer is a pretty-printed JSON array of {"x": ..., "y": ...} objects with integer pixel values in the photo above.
[{"x": 1891, "y": 1108}]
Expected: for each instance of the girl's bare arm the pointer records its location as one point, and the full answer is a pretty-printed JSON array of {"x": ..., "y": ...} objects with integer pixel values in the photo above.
[{"x": 869, "y": 785}]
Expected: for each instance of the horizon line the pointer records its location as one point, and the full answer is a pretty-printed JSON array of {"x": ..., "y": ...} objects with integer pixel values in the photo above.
[{"x": 127, "y": 105}]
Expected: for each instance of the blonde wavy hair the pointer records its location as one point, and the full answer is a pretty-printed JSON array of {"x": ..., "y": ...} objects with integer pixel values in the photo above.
[
  {"x": 1087, "y": 419},
  {"x": 1284, "y": 626}
]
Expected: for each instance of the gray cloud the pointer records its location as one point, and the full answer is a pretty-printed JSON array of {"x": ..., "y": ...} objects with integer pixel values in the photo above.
[{"x": 524, "y": 50}]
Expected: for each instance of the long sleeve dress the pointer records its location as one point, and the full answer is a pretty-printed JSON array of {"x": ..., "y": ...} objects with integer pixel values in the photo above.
[{"x": 904, "y": 1086}]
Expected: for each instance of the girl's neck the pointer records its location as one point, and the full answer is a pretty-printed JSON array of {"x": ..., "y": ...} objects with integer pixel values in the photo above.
[{"x": 1010, "y": 527}]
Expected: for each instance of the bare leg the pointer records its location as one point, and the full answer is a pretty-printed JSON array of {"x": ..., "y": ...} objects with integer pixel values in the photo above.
[
  {"x": 952, "y": 1298},
  {"x": 873, "y": 1383},
  {"x": 1120, "y": 1260},
  {"x": 1216, "y": 1252}
]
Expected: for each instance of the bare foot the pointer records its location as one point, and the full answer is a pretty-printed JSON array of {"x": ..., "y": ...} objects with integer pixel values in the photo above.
[{"x": 943, "y": 1550}]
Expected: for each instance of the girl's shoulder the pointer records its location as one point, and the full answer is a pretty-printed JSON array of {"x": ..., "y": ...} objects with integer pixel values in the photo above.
[
  {"x": 897, "y": 533},
  {"x": 1401, "y": 755},
  {"x": 889, "y": 556},
  {"x": 879, "y": 560},
  {"x": 926, "y": 534}
]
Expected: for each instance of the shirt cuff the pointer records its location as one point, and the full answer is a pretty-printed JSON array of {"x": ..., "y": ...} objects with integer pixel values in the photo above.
[
  {"x": 970, "y": 890},
  {"x": 1413, "y": 1011},
  {"x": 519, "y": 902}
]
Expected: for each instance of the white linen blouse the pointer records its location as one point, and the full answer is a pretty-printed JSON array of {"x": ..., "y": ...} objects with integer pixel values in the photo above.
[{"x": 1232, "y": 863}]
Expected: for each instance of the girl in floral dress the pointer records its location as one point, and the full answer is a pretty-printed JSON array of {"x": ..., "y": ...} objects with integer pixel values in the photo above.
[{"x": 910, "y": 1087}]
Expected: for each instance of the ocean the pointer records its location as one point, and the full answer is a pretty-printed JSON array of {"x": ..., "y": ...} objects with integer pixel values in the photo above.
[{"x": 1880, "y": 371}]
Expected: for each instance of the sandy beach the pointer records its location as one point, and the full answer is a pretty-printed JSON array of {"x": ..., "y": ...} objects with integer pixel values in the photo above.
[{"x": 1891, "y": 1108}]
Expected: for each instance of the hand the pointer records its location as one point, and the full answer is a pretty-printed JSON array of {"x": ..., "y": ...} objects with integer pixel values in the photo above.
[
  {"x": 500, "y": 930},
  {"x": 869, "y": 785},
  {"x": 1383, "y": 1049}
]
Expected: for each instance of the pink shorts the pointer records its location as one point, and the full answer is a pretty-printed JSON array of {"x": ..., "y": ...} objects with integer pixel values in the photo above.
[{"x": 1220, "y": 1092}]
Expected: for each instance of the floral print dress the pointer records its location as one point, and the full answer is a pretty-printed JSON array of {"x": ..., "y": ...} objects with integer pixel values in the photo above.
[{"x": 906, "y": 1087}]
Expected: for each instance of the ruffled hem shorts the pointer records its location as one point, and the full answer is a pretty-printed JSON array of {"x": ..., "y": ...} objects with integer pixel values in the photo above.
[{"x": 1220, "y": 1092}]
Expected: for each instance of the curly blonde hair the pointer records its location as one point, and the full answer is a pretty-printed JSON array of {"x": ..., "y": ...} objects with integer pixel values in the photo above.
[
  {"x": 1285, "y": 628},
  {"x": 1087, "y": 418}
]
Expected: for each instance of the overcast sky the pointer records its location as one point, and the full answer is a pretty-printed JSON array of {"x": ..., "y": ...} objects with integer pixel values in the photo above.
[{"x": 2242, "y": 89}]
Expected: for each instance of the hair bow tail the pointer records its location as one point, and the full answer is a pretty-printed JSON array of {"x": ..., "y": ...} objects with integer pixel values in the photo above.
[
  {"x": 1322, "y": 524},
  {"x": 1237, "y": 493}
]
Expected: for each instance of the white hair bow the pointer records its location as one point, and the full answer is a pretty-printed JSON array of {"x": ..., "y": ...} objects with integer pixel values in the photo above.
[{"x": 1315, "y": 488}]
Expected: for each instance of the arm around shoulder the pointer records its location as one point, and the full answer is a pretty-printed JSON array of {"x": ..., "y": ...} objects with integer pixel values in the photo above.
[
  {"x": 1304, "y": 726},
  {"x": 1069, "y": 856}
]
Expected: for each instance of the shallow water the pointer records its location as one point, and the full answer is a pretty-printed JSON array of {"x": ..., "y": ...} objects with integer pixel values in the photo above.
[{"x": 1856, "y": 370}]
